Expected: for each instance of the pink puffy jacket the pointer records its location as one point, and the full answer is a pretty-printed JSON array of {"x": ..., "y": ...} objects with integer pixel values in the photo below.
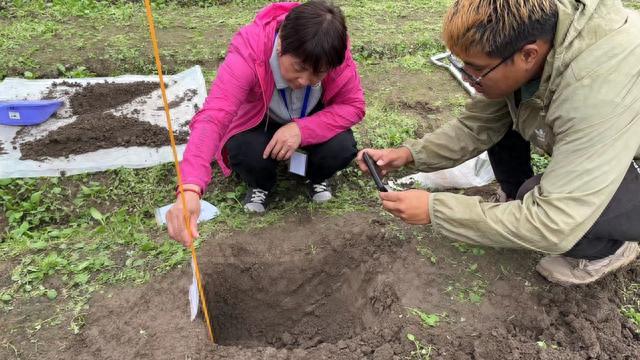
[{"x": 243, "y": 88}]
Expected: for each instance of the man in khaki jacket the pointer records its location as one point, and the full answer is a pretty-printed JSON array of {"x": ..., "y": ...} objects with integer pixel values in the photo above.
[{"x": 563, "y": 75}]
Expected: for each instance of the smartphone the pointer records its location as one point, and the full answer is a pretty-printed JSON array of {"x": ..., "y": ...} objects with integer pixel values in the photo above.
[{"x": 375, "y": 172}]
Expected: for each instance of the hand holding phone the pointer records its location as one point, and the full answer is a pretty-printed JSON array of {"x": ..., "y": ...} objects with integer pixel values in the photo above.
[{"x": 374, "y": 171}]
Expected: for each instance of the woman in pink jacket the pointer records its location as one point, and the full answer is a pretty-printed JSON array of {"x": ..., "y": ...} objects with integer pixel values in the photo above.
[{"x": 287, "y": 89}]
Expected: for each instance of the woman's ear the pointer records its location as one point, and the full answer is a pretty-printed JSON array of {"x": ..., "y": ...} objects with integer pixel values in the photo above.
[{"x": 278, "y": 46}]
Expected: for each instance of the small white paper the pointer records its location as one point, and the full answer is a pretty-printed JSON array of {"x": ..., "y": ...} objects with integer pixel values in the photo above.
[
  {"x": 207, "y": 212},
  {"x": 298, "y": 163},
  {"x": 14, "y": 115},
  {"x": 194, "y": 298}
]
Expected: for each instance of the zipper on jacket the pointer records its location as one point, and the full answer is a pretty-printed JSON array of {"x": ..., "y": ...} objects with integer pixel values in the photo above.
[
  {"x": 264, "y": 100},
  {"x": 266, "y": 124}
]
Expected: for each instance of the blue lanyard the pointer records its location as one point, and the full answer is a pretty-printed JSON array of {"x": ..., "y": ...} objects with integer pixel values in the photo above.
[{"x": 305, "y": 102}]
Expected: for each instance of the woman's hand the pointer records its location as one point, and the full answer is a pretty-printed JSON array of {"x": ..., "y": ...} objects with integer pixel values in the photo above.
[
  {"x": 283, "y": 143},
  {"x": 175, "y": 218}
]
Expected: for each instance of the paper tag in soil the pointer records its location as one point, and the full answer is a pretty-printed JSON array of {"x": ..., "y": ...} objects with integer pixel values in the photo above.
[
  {"x": 194, "y": 298},
  {"x": 298, "y": 163},
  {"x": 207, "y": 212}
]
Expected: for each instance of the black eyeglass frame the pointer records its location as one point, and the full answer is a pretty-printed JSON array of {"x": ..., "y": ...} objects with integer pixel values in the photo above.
[
  {"x": 476, "y": 80},
  {"x": 455, "y": 62}
]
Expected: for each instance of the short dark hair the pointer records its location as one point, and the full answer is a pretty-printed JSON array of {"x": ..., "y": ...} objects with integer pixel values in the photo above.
[
  {"x": 316, "y": 33},
  {"x": 498, "y": 28}
]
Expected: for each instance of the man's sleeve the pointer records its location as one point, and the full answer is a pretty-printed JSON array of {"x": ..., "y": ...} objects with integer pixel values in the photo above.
[
  {"x": 597, "y": 133},
  {"x": 482, "y": 124}
]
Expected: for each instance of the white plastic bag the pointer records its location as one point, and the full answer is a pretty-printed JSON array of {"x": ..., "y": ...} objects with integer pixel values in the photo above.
[{"x": 473, "y": 172}]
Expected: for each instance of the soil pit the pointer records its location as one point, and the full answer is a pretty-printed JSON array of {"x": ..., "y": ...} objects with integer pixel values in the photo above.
[
  {"x": 339, "y": 288},
  {"x": 292, "y": 301},
  {"x": 97, "y": 131}
]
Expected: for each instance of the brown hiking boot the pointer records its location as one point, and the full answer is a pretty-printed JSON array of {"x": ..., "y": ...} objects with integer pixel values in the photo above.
[{"x": 569, "y": 271}]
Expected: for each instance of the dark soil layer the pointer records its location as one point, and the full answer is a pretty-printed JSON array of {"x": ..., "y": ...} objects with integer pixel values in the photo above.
[
  {"x": 97, "y": 131},
  {"x": 106, "y": 96},
  {"x": 339, "y": 288},
  {"x": 2, "y": 150}
]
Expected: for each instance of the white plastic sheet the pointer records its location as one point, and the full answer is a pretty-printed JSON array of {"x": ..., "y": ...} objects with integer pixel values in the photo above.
[
  {"x": 473, "y": 172},
  {"x": 147, "y": 108}
]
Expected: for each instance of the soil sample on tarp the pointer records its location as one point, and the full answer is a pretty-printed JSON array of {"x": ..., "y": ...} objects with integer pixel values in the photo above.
[
  {"x": 106, "y": 96},
  {"x": 187, "y": 96},
  {"x": 97, "y": 131}
]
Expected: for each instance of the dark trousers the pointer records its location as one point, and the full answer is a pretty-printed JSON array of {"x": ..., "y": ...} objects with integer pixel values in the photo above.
[
  {"x": 323, "y": 160},
  {"x": 619, "y": 222}
]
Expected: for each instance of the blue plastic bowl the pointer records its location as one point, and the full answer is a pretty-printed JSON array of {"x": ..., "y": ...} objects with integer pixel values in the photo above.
[{"x": 27, "y": 112}]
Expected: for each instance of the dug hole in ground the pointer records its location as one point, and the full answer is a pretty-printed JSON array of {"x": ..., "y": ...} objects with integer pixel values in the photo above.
[{"x": 343, "y": 287}]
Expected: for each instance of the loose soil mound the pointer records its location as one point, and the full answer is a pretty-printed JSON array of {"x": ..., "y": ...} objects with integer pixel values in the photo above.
[
  {"x": 105, "y": 96},
  {"x": 95, "y": 128},
  {"x": 339, "y": 288},
  {"x": 97, "y": 131}
]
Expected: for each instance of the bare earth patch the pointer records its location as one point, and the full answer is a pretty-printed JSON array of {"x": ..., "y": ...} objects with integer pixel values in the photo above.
[{"x": 339, "y": 288}]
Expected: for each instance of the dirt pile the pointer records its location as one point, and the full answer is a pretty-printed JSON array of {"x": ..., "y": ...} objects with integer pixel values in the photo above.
[
  {"x": 106, "y": 96},
  {"x": 97, "y": 131},
  {"x": 96, "y": 128}
]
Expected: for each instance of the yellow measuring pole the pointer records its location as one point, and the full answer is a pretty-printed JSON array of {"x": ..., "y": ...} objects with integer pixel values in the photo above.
[{"x": 185, "y": 215}]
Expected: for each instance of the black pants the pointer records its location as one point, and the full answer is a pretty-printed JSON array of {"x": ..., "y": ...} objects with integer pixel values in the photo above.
[
  {"x": 619, "y": 222},
  {"x": 323, "y": 160}
]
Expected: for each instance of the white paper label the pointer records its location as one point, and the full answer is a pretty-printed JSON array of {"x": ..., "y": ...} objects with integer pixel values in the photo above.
[
  {"x": 298, "y": 163},
  {"x": 14, "y": 115},
  {"x": 207, "y": 212},
  {"x": 194, "y": 297}
]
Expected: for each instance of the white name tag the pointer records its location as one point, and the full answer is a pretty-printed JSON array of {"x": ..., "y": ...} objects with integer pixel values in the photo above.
[
  {"x": 298, "y": 163},
  {"x": 194, "y": 296}
]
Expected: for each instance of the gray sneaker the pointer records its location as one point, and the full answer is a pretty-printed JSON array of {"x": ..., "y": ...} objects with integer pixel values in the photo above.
[
  {"x": 321, "y": 192},
  {"x": 256, "y": 201},
  {"x": 569, "y": 271}
]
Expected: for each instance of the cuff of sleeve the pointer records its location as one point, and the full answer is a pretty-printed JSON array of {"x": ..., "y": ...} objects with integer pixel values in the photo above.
[
  {"x": 419, "y": 159},
  {"x": 303, "y": 129},
  {"x": 432, "y": 213},
  {"x": 200, "y": 183}
]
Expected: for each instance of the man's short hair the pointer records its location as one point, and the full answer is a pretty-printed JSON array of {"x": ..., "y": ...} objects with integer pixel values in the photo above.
[
  {"x": 498, "y": 28},
  {"x": 316, "y": 33}
]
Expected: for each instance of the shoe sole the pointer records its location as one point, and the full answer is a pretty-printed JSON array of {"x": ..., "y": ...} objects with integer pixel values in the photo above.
[{"x": 550, "y": 278}]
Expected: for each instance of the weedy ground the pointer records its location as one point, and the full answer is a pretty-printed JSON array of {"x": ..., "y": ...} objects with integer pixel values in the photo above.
[{"x": 65, "y": 238}]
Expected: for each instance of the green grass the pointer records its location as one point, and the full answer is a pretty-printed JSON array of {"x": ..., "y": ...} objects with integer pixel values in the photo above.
[
  {"x": 633, "y": 4},
  {"x": 631, "y": 301},
  {"x": 34, "y": 35},
  {"x": 66, "y": 238}
]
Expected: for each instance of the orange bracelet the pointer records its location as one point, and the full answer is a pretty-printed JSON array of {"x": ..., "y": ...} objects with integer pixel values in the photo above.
[{"x": 191, "y": 190}]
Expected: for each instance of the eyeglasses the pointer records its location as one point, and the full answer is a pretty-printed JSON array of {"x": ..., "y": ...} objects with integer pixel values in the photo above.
[{"x": 459, "y": 65}]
